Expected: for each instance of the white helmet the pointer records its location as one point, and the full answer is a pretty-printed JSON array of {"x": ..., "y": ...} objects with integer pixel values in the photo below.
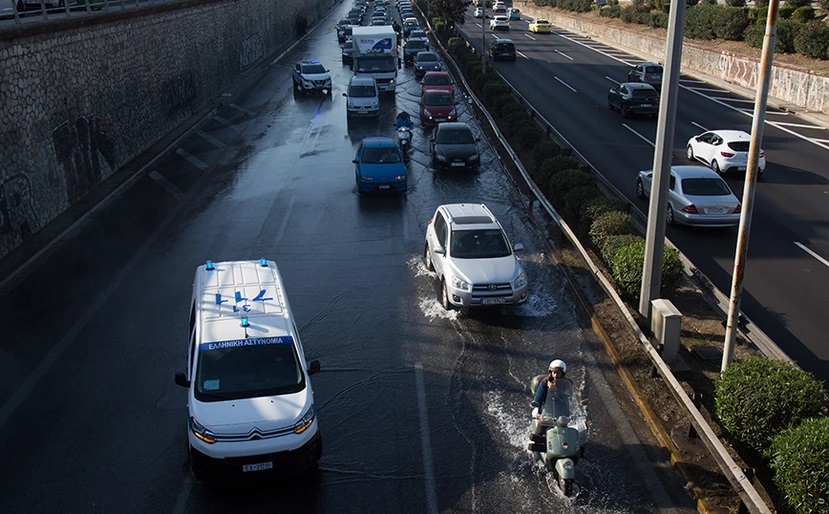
[{"x": 558, "y": 363}]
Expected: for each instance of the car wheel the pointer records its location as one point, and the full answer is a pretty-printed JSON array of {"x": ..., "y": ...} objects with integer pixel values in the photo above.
[
  {"x": 689, "y": 153},
  {"x": 715, "y": 166},
  {"x": 444, "y": 296},
  {"x": 21, "y": 7},
  {"x": 640, "y": 188},
  {"x": 429, "y": 264},
  {"x": 669, "y": 217}
]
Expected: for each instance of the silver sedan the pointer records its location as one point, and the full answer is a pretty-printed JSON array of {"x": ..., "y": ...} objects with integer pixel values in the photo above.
[{"x": 696, "y": 196}]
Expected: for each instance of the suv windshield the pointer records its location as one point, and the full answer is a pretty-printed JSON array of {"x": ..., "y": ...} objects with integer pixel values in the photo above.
[
  {"x": 362, "y": 92},
  {"x": 705, "y": 187},
  {"x": 426, "y": 57},
  {"x": 455, "y": 136},
  {"x": 414, "y": 44},
  {"x": 248, "y": 368},
  {"x": 479, "y": 244},
  {"x": 313, "y": 68}
]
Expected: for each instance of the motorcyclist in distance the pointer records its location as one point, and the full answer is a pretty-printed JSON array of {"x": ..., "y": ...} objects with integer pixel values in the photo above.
[
  {"x": 553, "y": 396},
  {"x": 403, "y": 120}
]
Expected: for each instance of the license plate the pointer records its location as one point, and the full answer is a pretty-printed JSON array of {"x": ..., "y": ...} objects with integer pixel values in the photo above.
[
  {"x": 493, "y": 301},
  {"x": 741, "y": 168},
  {"x": 717, "y": 210},
  {"x": 384, "y": 186},
  {"x": 458, "y": 164},
  {"x": 647, "y": 105},
  {"x": 257, "y": 467},
  {"x": 440, "y": 119}
]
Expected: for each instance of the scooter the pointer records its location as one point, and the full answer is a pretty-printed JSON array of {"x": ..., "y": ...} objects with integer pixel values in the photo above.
[
  {"x": 561, "y": 446},
  {"x": 404, "y": 138}
]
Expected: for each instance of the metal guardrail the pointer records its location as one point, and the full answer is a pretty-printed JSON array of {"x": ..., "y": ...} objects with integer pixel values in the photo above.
[
  {"x": 28, "y": 11},
  {"x": 741, "y": 483}
]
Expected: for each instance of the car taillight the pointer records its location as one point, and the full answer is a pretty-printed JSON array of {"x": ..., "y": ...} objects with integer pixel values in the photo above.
[
  {"x": 762, "y": 154},
  {"x": 726, "y": 154},
  {"x": 738, "y": 209},
  {"x": 430, "y": 222},
  {"x": 690, "y": 209}
]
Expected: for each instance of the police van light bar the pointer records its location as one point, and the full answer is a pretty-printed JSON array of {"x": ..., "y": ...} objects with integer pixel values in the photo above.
[
  {"x": 245, "y": 322},
  {"x": 209, "y": 266},
  {"x": 263, "y": 263}
]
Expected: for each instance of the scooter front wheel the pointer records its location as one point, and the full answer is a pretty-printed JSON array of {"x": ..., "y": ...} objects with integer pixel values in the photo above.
[{"x": 566, "y": 486}]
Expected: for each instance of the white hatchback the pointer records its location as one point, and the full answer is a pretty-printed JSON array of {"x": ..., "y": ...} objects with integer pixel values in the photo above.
[{"x": 723, "y": 150}]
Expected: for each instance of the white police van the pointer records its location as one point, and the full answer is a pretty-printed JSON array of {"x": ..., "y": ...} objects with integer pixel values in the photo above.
[{"x": 250, "y": 403}]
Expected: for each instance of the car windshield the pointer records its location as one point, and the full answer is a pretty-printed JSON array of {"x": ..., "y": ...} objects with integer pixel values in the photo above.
[
  {"x": 460, "y": 136},
  {"x": 653, "y": 69},
  {"x": 739, "y": 146},
  {"x": 313, "y": 68},
  {"x": 415, "y": 44},
  {"x": 247, "y": 368},
  {"x": 348, "y": 45},
  {"x": 478, "y": 244},
  {"x": 374, "y": 64},
  {"x": 427, "y": 57},
  {"x": 705, "y": 187},
  {"x": 437, "y": 98},
  {"x": 375, "y": 155},
  {"x": 362, "y": 92},
  {"x": 436, "y": 80},
  {"x": 644, "y": 93}
]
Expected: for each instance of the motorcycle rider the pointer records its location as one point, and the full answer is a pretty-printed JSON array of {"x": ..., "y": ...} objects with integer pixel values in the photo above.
[
  {"x": 552, "y": 398},
  {"x": 403, "y": 120}
]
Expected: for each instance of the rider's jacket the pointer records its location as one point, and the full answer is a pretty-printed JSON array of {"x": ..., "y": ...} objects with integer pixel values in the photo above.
[{"x": 554, "y": 403}]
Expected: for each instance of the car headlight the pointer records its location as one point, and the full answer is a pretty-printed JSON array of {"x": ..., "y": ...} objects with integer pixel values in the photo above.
[
  {"x": 458, "y": 283},
  {"x": 400, "y": 178},
  {"x": 427, "y": 113},
  {"x": 374, "y": 104},
  {"x": 452, "y": 112},
  {"x": 521, "y": 281},
  {"x": 474, "y": 158},
  {"x": 200, "y": 432},
  {"x": 441, "y": 157},
  {"x": 305, "y": 421}
]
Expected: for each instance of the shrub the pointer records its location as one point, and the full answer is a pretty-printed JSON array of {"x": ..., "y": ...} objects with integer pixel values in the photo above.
[
  {"x": 517, "y": 120},
  {"x": 566, "y": 180},
  {"x": 707, "y": 2},
  {"x": 762, "y": 4},
  {"x": 550, "y": 167},
  {"x": 455, "y": 45},
  {"x": 658, "y": 19},
  {"x": 576, "y": 198},
  {"x": 629, "y": 14},
  {"x": 812, "y": 40},
  {"x": 799, "y": 457},
  {"x": 730, "y": 23},
  {"x": 493, "y": 88},
  {"x": 803, "y": 14},
  {"x": 784, "y": 40},
  {"x": 759, "y": 397},
  {"x": 735, "y": 3},
  {"x": 613, "y": 11},
  {"x": 626, "y": 268},
  {"x": 504, "y": 104},
  {"x": 528, "y": 136},
  {"x": 612, "y": 223},
  {"x": 472, "y": 69},
  {"x": 699, "y": 21},
  {"x": 439, "y": 25},
  {"x": 785, "y": 11},
  {"x": 797, "y": 3},
  {"x": 598, "y": 206},
  {"x": 757, "y": 13},
  {"x": 613, "y": 244},
  {"x": 545, "y": 149}
]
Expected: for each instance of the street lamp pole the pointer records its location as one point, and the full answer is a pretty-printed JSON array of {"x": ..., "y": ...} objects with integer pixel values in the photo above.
[{"x": 483, "y": 36}]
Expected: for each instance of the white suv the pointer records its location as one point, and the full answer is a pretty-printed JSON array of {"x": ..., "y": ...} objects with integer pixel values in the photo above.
[
  {"x": 311, "y": 76},
  {"x": 474, "y": 261}
]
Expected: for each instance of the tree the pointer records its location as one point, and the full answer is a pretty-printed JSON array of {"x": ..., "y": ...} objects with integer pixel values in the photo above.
[{"x": 451, "y": 11}]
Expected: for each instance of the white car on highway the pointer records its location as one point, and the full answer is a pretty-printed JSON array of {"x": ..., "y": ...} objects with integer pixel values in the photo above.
[
  {"x": 723, "y": 150},
  {"x": 499, "y": 23}
]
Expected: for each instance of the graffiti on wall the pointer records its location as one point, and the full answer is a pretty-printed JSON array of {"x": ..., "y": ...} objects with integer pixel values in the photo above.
[
  {"x": 18, "y": 214},
  {"x": 178, "y": 91},
  {"x": 253, "y": 49},
  {"x": 82, "y": 147}
]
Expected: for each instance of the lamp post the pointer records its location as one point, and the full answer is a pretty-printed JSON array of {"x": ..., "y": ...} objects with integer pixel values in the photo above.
[{"x": 483, "y": 36}]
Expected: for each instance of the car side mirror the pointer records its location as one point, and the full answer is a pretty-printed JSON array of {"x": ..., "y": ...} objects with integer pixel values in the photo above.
[
  {"x": 440, "y": 250},
  {"x": 313, "y": 366},
  {"x": 181, "y": 379},
  {"x": 354, "y": 161},
  {"x": 517, "y": 247},
  {"x": 345, "y": 94},
  {"x": 478, "y": 139}
]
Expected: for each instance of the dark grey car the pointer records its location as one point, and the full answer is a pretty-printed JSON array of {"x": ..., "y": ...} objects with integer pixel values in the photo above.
[
  {"x": 633, "y": 98},
  {"x": 454, "y": 146},
  {"x": 412, "y": 47}
]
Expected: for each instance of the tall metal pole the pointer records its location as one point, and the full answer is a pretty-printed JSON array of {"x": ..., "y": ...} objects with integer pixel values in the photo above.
[
  {"x": 757, "y": 124},
  {"x": 655, "y": 232},
  {"x": 483, "y": 36}
]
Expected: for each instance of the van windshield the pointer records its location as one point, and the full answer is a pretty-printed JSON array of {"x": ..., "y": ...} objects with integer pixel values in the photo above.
[
  {"x": 362, "y": 92},
  {"x": 248, "y": 368}
]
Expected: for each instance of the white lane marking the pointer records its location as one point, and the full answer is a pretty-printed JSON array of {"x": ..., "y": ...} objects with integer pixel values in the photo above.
[
  {"x": 813, "y": 254},
  {"x": 801, "y": 125},
  {"x": 425, "y": 443},
  {"x": 818, "y": 141},
  {"x": 478, "y": 24},
  {"x": 566, "y": 85},
  {"x": 565, "y": 55},
  {"x": 227, "y": 123},
  {"x": 612, "y": 80},
  {"x": 709, "y": 89},
  {"x": 751, "y": 112},
  {"x": 192, "y": 159},
  {"x": 166, "y": 184},
  {"x": 694, "y": 123},
  {"x": 729, "y": 99},
  {"x": 748, "y": 113},
  {"x": 242, "y": 109},
  {"x": 522, "y": 55},
  {"x": 640, "y": 136},
  {"x": 692, "y": 80},
  {"x": 529, "y": 36},
  {"x": 212, "y": 140}
]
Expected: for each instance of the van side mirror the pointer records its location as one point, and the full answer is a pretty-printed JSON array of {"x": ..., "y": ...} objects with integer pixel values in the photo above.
[
  {"x": 313, "y": 366},
  {"x": 181, "y": 379},
  {"x": 345, "y": 94},
  {"x": 440, "y": 250},
  {"x": 518, "y": 247}
]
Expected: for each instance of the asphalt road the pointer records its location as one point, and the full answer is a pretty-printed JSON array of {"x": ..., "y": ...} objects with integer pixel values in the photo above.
[
  {"x": 420, "y": 410},
  {"x": 566, "y": 78}
]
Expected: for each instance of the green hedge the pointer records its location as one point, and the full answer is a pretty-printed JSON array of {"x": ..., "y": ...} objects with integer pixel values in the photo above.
[
  {"x": 700, "y": 20},
  {"x": 730, "y": 23},
  {"x": 612, "y": 223},
  {"x": 797, "y": 3},
  {"x": 545, "y": 149},
  {"x": 627, "y": 270},
  {"x": 613, "y": 11},
  {"x": 598, "y": 206},
  {"x": 785, "y": 33},
  {"x": 565, "y": 180},
  {"x": 812, "y": 40},
  {"x": 553, "y": 165},
  {"x": 529, "y": 136},
  {"x": 493, "y": 88},
  {"x": 799, "y": 457},
  {"x": 613, "y": 244},
  {"x": 757, "y": 398},
  {"x": 576, "y": 198},
  {"x": 803, "y": 14}
]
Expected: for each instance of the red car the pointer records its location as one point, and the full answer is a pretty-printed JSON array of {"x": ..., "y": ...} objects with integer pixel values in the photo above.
[
  {"x": 437, "y": 107},
  {"x": 437, "y": 81}
]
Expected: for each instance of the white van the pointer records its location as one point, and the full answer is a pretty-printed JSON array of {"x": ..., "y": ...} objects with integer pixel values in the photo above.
[
  {"x": 250, "y": 406},
  {"x": 362, "y": 97}
]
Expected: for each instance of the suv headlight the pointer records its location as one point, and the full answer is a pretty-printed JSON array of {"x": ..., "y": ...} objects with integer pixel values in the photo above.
[
  {"x": 305, "y": 421},
  {"x": 458, "y": 283},
  {"x": 200, "y": 432},
  {"x": 521, "y": 281}
]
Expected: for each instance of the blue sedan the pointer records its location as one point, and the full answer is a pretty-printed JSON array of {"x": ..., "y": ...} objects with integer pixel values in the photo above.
[{"x": 379, "y": 166}]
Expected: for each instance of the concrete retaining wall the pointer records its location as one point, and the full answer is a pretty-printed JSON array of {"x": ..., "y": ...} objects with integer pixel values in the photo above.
[
  {"x": 789, "y": 86},
  {"x": 82, "y": 96}
]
